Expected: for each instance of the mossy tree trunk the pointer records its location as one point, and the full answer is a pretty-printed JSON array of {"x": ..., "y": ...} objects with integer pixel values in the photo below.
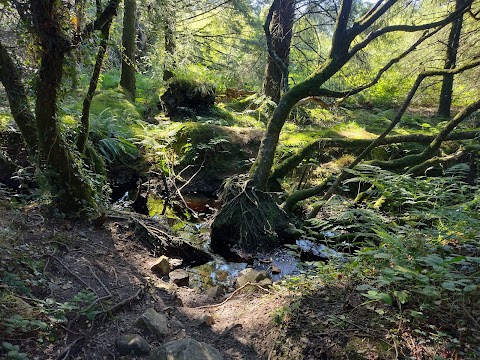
[
  {"x": 346, "y": 43},
  {"x": 70, "y": 182},
  {"x": 17, "y": 98},
  {"x": 445, "y": 103},
  {"x": 87, "y": 102},
  {"x": 278, "y": 31},
  {"x": 73, "y": 191},
  {"x": 127, "y": 79},
  {"x": 169, "y": 28}
]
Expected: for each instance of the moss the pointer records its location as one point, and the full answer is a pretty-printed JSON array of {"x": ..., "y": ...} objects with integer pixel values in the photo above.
[{"x": 108, "y": 103}]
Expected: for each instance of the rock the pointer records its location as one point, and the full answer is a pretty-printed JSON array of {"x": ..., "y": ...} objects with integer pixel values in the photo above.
[
  {"x": 265, "y": 283},
  {"x": 214, "y": 292},
  {"x": 275, "y": 269},
  {"x": 154, "y": 322},
  {"x": 185, "y": 349},
  {"x": 132, "y": 344},
  {"x": 250, "y": 275},
  {"x": 161, "y": 266},
  {"x": 179, "y": 277},
  {"x": 177, "y": 301},
  {"x": 187, "y": 97},
  {"x": 175, "y": 263},
  {"x": 176, "y": 324},
  {"x": 206, "y": 319}
]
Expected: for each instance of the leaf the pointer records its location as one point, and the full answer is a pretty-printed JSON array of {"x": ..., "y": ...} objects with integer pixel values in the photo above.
[
  {"x": 382, "y": 256},
  {"x": 364, "y": 287},
  {"x": 449, "y": 285}
]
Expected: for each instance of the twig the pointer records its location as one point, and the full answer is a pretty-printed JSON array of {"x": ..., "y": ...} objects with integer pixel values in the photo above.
[
  {"x": 191, "y": 177},
  {"x": 100, "y": 281},
  {"x": 155, "y": 232},
  {"x": 232, "y": 295},
  {"x": 73, "y": 274},
  {"x": 116, "y": 276},
  {"x": 64, "y": 354},
  {"x": 124, "y": 302}
]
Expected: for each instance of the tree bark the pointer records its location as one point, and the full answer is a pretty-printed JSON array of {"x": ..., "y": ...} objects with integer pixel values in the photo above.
[
  {"x": 169, "y": 28},
  {"x": 87, "y": 102},
  {"x": 127, "y": 79},
  {"x": 18, "y": 100},
  {"x": 278, "y": 32},
  {"x": 445, "y": 104}
]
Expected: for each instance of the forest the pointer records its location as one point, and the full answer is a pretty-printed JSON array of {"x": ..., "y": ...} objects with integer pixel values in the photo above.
[{"x": 239, "y": 179}]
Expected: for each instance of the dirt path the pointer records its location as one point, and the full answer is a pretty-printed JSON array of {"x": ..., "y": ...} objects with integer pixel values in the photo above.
[{"x": 115, "y": 269}]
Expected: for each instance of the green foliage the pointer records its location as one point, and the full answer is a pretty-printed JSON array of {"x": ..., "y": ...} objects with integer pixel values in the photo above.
[
  {"x": 13, "y": 352},
  {"x": 419, "y": 250}
]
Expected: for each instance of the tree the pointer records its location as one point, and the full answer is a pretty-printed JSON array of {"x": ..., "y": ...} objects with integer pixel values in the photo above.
[
  {"x": 445, "y": 103},
  {"x": 169, "y": 28},
  {"x": 249, "y": 217},
  {"x": 278, "y": 32},
  {"x": 127, "y": 80},
  {"x": 73, "y": 185}
]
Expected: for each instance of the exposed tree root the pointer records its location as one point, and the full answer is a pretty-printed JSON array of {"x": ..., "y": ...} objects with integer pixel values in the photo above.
[{"x": 250, "y": 219}]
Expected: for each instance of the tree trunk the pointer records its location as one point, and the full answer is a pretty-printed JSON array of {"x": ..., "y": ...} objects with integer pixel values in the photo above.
[
  {"x": 70, "y": 186},
  {"x": 170, "y": 42},
  {"x": 87, "y": 102},
  {"x": 248, "y": 211},
  {"x": 279, "y": 37},
  {"x": 17, "y": 98},
  {"x": 444, "y": 107},
  {"x": 127, "y": 80}
]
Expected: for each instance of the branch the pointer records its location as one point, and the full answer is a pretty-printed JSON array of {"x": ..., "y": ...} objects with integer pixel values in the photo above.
[
  {"x": 409, "y": 28},
  {"x": 285, "y": 167},
  {"x": 376, "y": 79},
  {"x": 436, "y": 160},
  {"x": 288, "y": 165},
  {"x": 87, "y": 102},
  {"x": 340, "y": 40},
  {"x": 105, "y": 16},
  {"x": 271, "y": 51}
]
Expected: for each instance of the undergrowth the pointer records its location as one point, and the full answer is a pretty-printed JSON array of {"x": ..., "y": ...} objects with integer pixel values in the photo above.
[{"x": 413, "y": 258}]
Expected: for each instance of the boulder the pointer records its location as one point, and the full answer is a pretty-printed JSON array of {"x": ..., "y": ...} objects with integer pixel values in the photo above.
[
  {"x": 132, "y": 344},
  {"x": 250, "y": 275},
  {"x": 161, "y": 266},
  {"x": 185, "y": 349},
  {"x": 179, "y": 277},
  {"x": 154, "y": 322},
  {"x": 188, "y": 97}
]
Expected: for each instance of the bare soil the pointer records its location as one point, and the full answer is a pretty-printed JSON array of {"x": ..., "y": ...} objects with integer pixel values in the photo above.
[{"x": 110, "y": 263}]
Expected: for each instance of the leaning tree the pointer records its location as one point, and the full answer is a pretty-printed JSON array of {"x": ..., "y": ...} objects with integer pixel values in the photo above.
[
  {"x": 69, "y": 169},
  {"x": 250, "y": 217}
]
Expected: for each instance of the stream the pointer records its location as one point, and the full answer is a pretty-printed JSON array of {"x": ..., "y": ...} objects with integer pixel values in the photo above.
[{"x": 289, "y": 260}]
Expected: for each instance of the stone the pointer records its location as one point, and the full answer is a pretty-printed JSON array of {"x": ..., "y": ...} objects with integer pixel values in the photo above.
[
  {"x": 275, "y": 269},
  {"x": 132, "y": 344},
  {"x": 185, "y": 349},
  {"x": 154, "y": 322},
  {"x": 250, "y": 275},
  {"x": 161, "y": 266},
  {"x": 176, "y": 324},
  {"x": 206, "y": 319},
  {"x": 265, "y": 283},
  {"x": 175, "y": 263},
  {"x": 214, "y": 292},
  {"x": 179, "y": 277}
]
